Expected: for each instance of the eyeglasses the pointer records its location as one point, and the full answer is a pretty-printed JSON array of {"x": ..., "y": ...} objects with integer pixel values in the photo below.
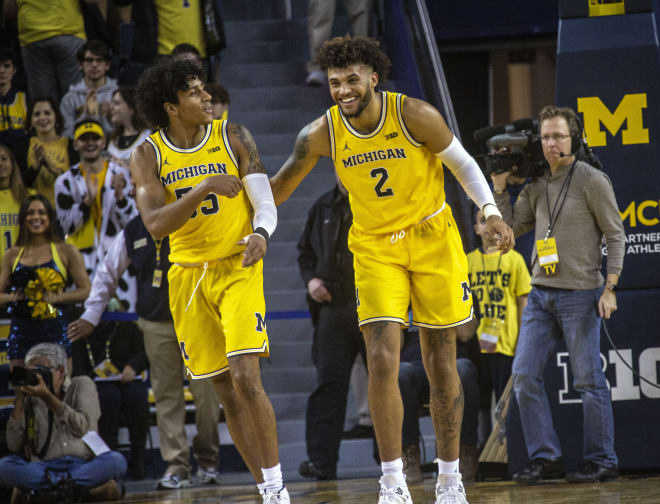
[
  {"x": 557, "y": 137},
  {"x": 93, "y": 60}
]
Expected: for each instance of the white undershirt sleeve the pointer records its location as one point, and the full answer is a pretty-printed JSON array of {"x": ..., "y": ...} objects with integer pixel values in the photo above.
[
  {"x": 260, "y": 194},
  {"x": 467, "y": 172}
]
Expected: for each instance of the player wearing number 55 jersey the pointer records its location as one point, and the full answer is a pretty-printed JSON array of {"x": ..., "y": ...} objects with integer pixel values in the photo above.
[
  {"x": 202, "y": 183},
  {"x": 388, "y": 152}
]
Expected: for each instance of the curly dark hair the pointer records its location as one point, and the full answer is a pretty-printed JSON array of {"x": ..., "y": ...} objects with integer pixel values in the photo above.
[
  {"x": 341, "y": 52},
  {"x": 159, "y": 85}
]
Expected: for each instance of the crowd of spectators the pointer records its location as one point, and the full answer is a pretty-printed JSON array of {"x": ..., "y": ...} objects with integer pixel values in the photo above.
[
  {"x": 68, "y": 125},
  {"x": 69, "y": 221}
]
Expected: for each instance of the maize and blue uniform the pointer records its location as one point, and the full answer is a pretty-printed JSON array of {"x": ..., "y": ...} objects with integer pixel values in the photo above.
[
  {"x": 405, "y": 241},
  {"x": 218, "y": 306}
]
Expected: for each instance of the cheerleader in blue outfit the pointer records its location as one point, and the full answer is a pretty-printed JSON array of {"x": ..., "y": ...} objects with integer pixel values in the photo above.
[{"x": 34, "y": 278}]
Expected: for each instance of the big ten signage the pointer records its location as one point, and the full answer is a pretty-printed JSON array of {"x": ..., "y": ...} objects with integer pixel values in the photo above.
[
  {"x": 608, "y": 66},
  {"x": 623, "y": 367},
  {"x": 635, "y": 401}
]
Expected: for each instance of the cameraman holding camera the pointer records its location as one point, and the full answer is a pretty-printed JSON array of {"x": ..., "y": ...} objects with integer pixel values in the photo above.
[
  {"x": 571, "y": 208},
  {"x": 51, "y": 425}
]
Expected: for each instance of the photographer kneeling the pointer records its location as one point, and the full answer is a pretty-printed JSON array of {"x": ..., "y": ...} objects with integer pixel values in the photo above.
[
  {"x": 571, "y": 207},
  {"x": 52, "y": 415}
]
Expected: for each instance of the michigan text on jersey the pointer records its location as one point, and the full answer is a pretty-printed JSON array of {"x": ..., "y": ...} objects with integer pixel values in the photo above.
[
  {"x": 194, "y": 171},
  {"x": 377, "y": 155}
]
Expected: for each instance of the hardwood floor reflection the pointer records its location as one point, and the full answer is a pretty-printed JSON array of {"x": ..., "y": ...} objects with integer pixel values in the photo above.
[{"x": 623, "y": 491}]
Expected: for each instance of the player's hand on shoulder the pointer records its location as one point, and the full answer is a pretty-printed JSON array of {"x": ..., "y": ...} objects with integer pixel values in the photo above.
[
  {"x": 224, "y": 185},
  {"x": 255, "y": 249}
]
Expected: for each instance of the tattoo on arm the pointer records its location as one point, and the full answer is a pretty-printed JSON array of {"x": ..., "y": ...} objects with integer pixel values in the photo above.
[
  {"x": 293, "y": 166},
  {"x": 254, "y": 163},
  {"x": 301, "y": 148}
]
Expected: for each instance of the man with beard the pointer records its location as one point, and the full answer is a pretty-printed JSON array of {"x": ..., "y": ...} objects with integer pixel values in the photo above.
[{"x": 388, "y": 151}]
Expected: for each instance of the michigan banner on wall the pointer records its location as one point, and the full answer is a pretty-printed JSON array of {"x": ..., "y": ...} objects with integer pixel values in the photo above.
[{"x": 608, "y": 69}]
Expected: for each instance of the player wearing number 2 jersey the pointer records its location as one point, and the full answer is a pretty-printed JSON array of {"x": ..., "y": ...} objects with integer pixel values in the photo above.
[
  {"x": 200, "y": 182},
  {"x": 388, "y": 152}
]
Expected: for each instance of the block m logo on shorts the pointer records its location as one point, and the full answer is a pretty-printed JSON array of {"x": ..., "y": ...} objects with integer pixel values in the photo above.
[
  {"x": 629, "y": 110},
  {"x": 261, "y": 323},
  {"x": 466, "y": 290}
]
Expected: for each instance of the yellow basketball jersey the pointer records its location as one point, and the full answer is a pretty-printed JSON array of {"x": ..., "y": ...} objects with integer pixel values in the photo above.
[
  {"x": 219, "y": 222},
  {"x": 8, "y": 220},
  {"x": 393, "y": 181}
]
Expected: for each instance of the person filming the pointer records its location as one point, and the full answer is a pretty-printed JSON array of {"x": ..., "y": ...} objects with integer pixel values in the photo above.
[{"x": 571, "y": 207}]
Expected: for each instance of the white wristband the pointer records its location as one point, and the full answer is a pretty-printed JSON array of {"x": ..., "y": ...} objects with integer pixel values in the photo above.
[{"x": 491, "y": 209}]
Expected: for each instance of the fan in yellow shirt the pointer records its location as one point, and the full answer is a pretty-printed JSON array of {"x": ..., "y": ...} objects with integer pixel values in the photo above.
[{"x": 500, "y": 283}]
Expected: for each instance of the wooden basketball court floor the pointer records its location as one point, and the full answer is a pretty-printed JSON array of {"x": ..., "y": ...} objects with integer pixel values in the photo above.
[{"x": 626, "y": 490}]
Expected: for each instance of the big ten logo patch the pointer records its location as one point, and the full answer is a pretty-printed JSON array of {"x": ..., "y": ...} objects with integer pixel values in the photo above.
[
  {"x": 629, "y": 111},
  {"x": 623, "y": 384}
]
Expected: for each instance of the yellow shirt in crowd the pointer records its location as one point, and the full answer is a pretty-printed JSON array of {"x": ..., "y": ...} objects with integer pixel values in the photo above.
[
  {"x": 496, "y": 282},
  {"x": 57, "y": 154},
  {"x": 39, "y": 20},
  {"x": 180, "y": 21}
]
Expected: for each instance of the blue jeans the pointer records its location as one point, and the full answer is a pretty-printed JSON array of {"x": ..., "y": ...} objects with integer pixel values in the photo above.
[
  {"x": 549, "y": 315},
  {"x": 15, "y": 471}
]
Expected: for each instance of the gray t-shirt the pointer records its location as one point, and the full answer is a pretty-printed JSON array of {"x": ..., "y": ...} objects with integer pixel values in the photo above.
[{"x": 589, "y": 212}]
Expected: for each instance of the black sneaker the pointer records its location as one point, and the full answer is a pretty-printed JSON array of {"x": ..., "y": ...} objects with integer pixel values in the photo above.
[
  {"x": 359, "y": 432},
  {"x": 307, "y": 469},
  {"x": 540, "y": 469},
  {"x": 591, "y": 472}
]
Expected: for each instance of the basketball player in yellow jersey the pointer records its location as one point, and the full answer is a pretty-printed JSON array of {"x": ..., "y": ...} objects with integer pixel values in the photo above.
[
  {"x": 199, "y": 181},
  {"x": 388, "y": 152}
]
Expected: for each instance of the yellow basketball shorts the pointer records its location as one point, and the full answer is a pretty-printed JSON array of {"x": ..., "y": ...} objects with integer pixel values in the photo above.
[
  {"x": 423, "y": 265},
  {"x": 218, "y": 311}
]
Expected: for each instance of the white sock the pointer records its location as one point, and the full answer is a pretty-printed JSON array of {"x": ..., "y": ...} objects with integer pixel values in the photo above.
[
  {"x": 273, "y": 478},
  {"x": 394, "y": 468},
  {"x": 261, "y": 487},
  {"x": 445, "y": 467}
]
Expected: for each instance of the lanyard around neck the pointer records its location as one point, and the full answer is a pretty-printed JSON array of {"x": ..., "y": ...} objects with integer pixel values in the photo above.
[{"x": 554, "y": 215}]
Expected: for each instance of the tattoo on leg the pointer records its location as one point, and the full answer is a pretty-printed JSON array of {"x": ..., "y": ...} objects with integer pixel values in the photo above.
[
  {"x": 447, "y": 413},
  {"x": 438, "y": 337},
  {"x": 376, "y": 329}
]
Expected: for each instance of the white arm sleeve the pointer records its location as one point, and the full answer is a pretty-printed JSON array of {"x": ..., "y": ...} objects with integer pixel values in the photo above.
[
  {"x": 467, "y": 172},
  {"x": 258, "y": 190}
]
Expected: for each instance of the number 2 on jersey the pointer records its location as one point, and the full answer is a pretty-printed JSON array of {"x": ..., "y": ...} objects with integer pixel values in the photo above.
[
  {"x": 206, "y": 210},
  {"x": 382, "y": 173}
]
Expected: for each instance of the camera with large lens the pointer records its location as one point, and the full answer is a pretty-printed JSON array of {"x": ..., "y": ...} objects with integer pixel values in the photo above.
[
  {"x": 20, "y": 376},
  {"x": 515, "y": 147}
]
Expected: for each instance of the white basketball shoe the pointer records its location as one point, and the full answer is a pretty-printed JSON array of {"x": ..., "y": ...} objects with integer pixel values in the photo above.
[
  {"x": 449, "y": 489},
  {"x": 279, "y": 497},
  {"x": 390, "y": 494}
]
